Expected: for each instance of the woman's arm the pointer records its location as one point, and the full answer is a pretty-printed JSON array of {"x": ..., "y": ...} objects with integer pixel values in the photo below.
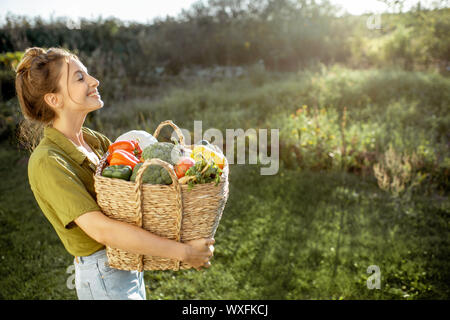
[{"x": 134, "y": 239}]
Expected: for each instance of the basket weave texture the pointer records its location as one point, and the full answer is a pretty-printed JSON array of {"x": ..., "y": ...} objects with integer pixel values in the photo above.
[{"x": 169, "y": 211}]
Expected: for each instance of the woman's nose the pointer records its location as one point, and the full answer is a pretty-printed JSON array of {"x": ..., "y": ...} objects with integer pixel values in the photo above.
[{"x": 94, "y": 82}]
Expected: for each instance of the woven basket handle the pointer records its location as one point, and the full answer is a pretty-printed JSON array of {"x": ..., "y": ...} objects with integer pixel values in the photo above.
[
  {"x": 174, "y": 126},
  {"x": 159, "y": 162},
  {"x": 175, "y": 184}
]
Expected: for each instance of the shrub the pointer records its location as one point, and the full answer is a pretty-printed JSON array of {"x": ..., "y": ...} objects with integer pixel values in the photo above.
[{"x": 399, "y": 173}]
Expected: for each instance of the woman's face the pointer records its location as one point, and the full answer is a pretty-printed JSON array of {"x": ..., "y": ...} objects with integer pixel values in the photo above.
[{"x": 79, "y": 89}]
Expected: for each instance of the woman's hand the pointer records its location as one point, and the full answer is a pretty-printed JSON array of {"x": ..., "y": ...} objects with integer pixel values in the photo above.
[{"x": 199, "y": 252}]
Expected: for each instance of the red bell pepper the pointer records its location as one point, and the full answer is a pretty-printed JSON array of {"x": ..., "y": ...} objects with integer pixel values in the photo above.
[{"x": 131, "y": 146}]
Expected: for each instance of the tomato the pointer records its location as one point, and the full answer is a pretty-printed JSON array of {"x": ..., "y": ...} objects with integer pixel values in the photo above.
[{"x": 183, "y": 165}]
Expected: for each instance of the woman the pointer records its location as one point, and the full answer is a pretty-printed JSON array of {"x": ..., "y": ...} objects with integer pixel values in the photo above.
[{"x": 56, "y": 92}]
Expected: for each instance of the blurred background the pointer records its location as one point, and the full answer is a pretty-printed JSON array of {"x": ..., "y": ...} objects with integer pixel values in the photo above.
[{"x": 359, "y": 90}]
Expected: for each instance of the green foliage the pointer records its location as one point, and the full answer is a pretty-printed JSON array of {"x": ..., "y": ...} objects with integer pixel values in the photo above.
[
  {"x": 224, "y": 33},
  {"x": 10, "y": 60},
  {"x": 415, "y": 40},
  {"x": 406, "y": 109},
  {"x": 129, "y": 58},
  {"x": 8, "y": 63}
]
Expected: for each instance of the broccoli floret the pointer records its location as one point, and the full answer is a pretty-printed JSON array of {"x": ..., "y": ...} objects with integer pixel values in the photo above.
[
  {"x": 154, "y": 174},
  {"x": 165, "y": 151}
]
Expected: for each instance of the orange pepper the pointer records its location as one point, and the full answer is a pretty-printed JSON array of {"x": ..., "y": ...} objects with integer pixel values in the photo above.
[
  {"x": 131, "y": 146},
  {"x": 119, "y": 157}
]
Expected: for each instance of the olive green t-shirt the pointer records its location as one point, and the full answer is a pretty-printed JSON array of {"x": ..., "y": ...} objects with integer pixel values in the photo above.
[{"x": 62, "y": 180}]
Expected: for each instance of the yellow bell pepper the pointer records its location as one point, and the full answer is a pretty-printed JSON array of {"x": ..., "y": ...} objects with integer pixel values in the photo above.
[{"x": 208, "y": 154}]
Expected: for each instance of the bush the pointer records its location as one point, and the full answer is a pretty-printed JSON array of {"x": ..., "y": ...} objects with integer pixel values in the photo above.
[{"x": 398, "y": 173}]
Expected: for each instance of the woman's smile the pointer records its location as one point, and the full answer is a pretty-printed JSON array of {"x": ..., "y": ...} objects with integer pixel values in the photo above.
[{"x": 94, "y": 94}]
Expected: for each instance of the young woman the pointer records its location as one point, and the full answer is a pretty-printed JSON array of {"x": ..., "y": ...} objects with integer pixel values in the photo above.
[{"x": 55, "y": 93}]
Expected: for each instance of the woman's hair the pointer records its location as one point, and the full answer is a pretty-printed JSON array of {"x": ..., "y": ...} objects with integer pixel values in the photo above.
[{"x": 37, "y": 74}]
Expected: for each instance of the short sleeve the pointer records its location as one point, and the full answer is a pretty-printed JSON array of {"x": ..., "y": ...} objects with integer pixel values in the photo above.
[
  {"x": 62, "y": 190},
  {"x": 104, "y": 140}
]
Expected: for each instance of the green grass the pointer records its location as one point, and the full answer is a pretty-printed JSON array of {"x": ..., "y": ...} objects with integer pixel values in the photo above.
[
  {"x": 33, "y": 260},
  {"x": 300, "y": 234},
  {"x": 289, "y": 240},
  {"x": 296, "y": 235}
]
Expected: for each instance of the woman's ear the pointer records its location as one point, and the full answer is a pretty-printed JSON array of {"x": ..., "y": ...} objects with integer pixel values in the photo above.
[{"x": 54, "y": 100}]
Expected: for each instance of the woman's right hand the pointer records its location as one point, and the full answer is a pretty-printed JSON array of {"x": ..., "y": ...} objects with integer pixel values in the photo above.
[{"x": 199, "y": 252}]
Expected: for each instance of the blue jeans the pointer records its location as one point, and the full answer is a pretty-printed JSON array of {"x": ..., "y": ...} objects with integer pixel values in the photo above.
[{"x": 96, "y": 280}]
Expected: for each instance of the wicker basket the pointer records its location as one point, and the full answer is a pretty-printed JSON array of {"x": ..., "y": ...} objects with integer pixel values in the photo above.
[{"x": 170, "y": 211}]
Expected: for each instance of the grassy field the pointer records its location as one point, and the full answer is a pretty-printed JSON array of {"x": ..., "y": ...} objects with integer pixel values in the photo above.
[{"x": 301, "y": 234}]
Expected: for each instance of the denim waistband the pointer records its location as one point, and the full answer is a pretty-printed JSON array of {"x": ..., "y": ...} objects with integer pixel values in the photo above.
[{"x": 93, "y": 257}]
